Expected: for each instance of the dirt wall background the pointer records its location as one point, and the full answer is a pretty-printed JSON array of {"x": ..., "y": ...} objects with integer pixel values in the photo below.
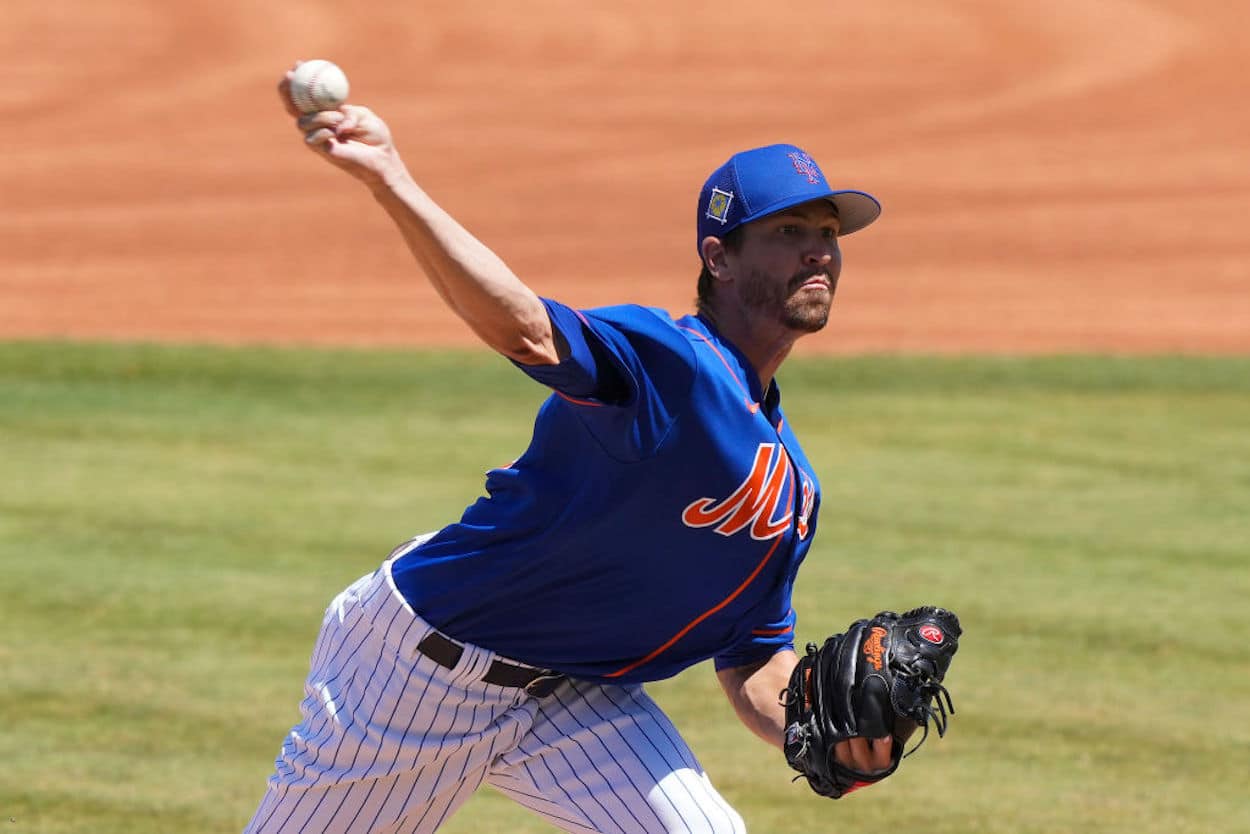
[{"x": 1060, "y": 176}]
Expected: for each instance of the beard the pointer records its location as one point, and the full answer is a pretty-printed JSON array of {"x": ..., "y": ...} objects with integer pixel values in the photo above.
[{"x": 806, "y": 312}]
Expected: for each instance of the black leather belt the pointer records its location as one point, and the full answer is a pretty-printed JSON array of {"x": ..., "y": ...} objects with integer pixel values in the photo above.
[{"x": 536, "y": 682}]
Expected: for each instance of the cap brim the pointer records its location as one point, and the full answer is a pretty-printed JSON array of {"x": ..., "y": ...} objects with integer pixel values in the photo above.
[{"x": 856, "y": 210}]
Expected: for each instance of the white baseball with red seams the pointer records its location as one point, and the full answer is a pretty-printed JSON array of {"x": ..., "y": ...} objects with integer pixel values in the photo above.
[{"x": 318, "y": 85}]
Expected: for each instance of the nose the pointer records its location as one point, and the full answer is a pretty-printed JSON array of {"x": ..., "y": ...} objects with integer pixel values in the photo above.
[
  {"x": 816, "y": 246},
  {"x": 820, "y": 252}
]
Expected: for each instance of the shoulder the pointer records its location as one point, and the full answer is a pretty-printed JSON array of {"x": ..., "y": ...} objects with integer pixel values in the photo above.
[
  {"x": 633, "y": 317},
  {"x": 645, "y": 330}
]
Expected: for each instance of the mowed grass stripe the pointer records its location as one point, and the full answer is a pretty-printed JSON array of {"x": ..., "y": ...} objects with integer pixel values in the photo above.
[{"x": 173, "y": 521}]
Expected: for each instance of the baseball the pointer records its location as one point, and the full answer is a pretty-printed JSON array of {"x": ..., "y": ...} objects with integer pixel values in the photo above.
[{"x": 318, "y": 85}]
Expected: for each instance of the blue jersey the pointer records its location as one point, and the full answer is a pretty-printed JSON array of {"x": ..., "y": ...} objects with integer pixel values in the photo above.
[{"x": 657, "y": 519}]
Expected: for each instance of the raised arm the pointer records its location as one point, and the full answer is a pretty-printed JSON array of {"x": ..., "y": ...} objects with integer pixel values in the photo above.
[{"x": 479, "y": 287}]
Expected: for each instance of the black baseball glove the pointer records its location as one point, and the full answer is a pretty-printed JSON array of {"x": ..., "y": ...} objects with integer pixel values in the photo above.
[{"x": 883, "y": 677}]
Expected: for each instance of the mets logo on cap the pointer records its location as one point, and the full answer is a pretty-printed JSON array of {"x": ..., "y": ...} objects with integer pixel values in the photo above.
[
  {"x": 807, "y": 167},
  {"x": 718, "y": 205}
]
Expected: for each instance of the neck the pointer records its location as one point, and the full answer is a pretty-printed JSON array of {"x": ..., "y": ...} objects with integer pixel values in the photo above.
[{"x": 765, "y": 346}]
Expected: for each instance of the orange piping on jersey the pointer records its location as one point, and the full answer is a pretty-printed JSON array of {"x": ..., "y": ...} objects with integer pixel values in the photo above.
[
  {"x": 577, "y": 402},
  {"x": 686, "y": 630},
  {"x": 771, "y": 632},
  {"x": 690, "y": 625},
  {"x": 750, "y": 404}
]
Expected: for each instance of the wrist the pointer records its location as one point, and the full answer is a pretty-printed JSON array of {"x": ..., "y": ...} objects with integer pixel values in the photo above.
[{"x": 388, "y": 178}]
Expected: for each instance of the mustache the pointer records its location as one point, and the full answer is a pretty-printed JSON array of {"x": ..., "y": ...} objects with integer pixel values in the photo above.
[{"x": 801, "y": 278}]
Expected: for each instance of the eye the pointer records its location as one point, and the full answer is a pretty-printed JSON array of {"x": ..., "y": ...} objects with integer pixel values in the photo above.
[
  {"x": 829, "y": 233},
  {"x": 788, "y": 229}
]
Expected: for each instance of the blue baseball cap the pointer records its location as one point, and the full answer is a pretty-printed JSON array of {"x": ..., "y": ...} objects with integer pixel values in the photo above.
[{"x": 764, "y": 181}]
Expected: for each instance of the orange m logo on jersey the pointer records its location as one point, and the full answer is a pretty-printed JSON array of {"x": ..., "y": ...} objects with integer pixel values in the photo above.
[{"x": 754, "y": 504}]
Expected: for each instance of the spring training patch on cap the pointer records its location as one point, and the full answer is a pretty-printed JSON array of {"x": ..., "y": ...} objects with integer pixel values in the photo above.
[{"x": 718, "y": 205}]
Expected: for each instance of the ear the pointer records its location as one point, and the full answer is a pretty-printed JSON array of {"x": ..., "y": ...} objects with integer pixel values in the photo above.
[{"x": 714, "y": 255}]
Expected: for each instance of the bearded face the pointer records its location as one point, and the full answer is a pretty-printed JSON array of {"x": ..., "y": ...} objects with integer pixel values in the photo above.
[
  {"x": 783, "y": 269},
  {"x": 800, "y": 303}
]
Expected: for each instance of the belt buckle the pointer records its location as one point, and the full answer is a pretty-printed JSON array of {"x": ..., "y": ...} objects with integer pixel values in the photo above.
[{"x": 544, "y": 684}]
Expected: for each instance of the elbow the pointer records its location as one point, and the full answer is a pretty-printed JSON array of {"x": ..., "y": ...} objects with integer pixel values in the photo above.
[
  {"x": 530, "y": 351},
  {"x": 536, "y": 344},
  {"x": 525, "y": 336}
]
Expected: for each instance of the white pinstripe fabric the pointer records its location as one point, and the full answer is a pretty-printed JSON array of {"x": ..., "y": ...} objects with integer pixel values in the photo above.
[{"x": 390, "y": 742}]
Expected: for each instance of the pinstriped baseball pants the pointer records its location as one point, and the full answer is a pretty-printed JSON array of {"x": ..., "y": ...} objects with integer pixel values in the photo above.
[{"x": 390, "y": 742}]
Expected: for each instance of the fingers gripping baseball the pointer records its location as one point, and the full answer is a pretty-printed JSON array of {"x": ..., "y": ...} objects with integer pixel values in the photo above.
[
  {"x": 351, "y": 137},
  {"x": 351, "y": 129}
]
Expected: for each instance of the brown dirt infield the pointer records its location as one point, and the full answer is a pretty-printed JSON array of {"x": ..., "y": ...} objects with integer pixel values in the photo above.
[{"x": 1067, "y": 176}]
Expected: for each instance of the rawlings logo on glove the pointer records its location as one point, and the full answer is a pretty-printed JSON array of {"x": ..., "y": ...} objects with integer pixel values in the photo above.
[
  {"x": 869, "y": 682},
  {"x": 873, "y": 647}
]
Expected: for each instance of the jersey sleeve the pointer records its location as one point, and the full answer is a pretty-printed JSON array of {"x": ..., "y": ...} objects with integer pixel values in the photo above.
[
  {"x": 589, "y": 371},
  {"x": 628, "y": 374},
  {"x": 764, "y": 641}
]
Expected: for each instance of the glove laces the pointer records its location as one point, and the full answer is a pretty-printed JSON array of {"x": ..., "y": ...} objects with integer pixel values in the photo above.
[{"x": 932, "y": 692}]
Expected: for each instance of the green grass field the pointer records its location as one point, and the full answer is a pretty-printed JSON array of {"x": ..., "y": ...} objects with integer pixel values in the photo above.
[{"x": 174, "y": 520}]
